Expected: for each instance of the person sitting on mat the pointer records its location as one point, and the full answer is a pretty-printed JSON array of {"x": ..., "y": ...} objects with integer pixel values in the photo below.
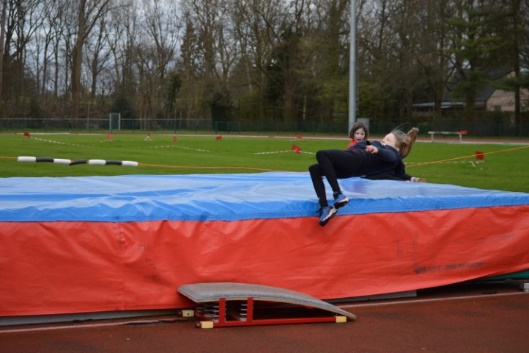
[{"x": 362, "y": 159}]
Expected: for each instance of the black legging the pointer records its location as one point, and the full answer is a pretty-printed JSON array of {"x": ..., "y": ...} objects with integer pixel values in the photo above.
[{"x": 334, "y": 165}]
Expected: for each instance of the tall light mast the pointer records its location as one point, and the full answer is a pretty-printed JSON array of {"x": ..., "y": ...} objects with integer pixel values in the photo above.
[{"x": 352, "y": 67}]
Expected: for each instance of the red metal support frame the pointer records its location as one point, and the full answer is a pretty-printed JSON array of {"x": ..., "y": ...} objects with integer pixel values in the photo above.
[{"x": 226, "y": 319}]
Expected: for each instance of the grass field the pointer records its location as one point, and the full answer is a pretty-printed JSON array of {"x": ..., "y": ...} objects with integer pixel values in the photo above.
[{"x": 504, "y": 167}]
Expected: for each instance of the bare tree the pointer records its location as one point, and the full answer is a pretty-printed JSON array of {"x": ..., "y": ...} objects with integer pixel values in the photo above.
[
  {"x": 376, "y": 55},
  {"x": 97, "y": 54},
  {"x": 256, "y": 30},
  {"x": 330, "y": 63},
  {"x": 263, "y": 59},
  {"x": 478, "y": 47},
  {"x": 22, "y": 22},
  {"x": 122, "y": 39},
  {"x": 212, "y": 35},
  {"x": 433, "y": 55},
  {"x": 88, "y": 13},
  {"x": 189, "y": 70},
  {"x": 2, "y": 46},
  {"x": 156, "y": 57}
]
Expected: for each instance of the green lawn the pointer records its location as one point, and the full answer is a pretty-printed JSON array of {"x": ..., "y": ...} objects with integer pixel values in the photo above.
[{"x": 504, "y": 167}]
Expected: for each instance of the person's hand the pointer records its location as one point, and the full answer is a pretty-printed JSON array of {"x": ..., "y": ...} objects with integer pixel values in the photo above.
[
  {"x": 371, "y": 149},
  {"x": 418, "y": 180}
]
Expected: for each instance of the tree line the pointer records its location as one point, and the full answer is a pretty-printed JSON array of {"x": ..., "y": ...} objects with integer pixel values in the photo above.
[{"x": 255, "y": 60}]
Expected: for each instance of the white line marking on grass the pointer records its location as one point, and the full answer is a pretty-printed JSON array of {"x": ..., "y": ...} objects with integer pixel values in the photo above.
[
  {"x": 183, "y": 148},
  {"x": 473, "y": 163},
  {"x": 59, "y": 143},
  {"x": 286, "y": 151}
]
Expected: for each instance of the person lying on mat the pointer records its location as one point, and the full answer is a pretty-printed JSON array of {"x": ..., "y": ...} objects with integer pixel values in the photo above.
[
  {"x": 362, "y": 159},
  {"x": 359, "y": 132}
]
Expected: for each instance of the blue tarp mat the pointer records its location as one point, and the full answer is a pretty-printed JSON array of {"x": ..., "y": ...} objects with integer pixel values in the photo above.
[{"x": 229, "y": 197}]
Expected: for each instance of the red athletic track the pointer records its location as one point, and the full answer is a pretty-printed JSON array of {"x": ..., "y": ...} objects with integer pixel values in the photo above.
[{"x": 477, "y": 319}]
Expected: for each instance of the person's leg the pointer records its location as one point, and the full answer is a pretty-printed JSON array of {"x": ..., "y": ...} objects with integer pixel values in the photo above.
[
  {"x": 326, "y": 212},
  {"x": 332, "y": 164},
  {"x": 337, "y": 164},
  {"x": 316, "y": 174}
]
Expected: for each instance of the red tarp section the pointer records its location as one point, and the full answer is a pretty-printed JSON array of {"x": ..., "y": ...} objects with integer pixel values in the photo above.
[{"x": 73, "y": 267}]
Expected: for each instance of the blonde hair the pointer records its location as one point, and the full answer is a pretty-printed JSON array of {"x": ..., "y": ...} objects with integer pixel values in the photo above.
[{"x": 404, "y": 142}]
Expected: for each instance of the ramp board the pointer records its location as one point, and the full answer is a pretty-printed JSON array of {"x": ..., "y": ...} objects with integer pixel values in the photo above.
[{"x": 219, "y": 295}]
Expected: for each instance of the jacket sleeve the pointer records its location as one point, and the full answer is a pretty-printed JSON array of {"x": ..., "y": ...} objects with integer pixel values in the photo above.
[
  {"x": 400, "y": 172},
  {"x": 388, "y": 154},
  {"x": 360, "y": 145}
]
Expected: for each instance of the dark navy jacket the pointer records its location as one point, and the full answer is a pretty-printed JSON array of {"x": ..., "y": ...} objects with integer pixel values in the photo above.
[{"x": 386, "y": 161}]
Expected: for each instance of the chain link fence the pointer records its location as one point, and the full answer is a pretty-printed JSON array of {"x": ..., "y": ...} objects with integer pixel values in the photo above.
[{"x": 486, "y": 127}]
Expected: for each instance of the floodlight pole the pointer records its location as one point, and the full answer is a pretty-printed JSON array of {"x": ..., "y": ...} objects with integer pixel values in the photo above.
[{"x": 352, "y": 66}]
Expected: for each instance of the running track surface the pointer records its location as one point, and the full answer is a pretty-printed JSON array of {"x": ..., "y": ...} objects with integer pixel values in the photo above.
[{"x": 467, "y": 320}]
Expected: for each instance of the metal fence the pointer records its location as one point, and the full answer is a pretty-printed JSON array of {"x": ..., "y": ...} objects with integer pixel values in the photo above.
[{"x": 487, "y": 127}]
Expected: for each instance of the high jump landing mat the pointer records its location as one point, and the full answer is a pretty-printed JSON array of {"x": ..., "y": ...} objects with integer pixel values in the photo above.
[{"x": 123, "y": 243}]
